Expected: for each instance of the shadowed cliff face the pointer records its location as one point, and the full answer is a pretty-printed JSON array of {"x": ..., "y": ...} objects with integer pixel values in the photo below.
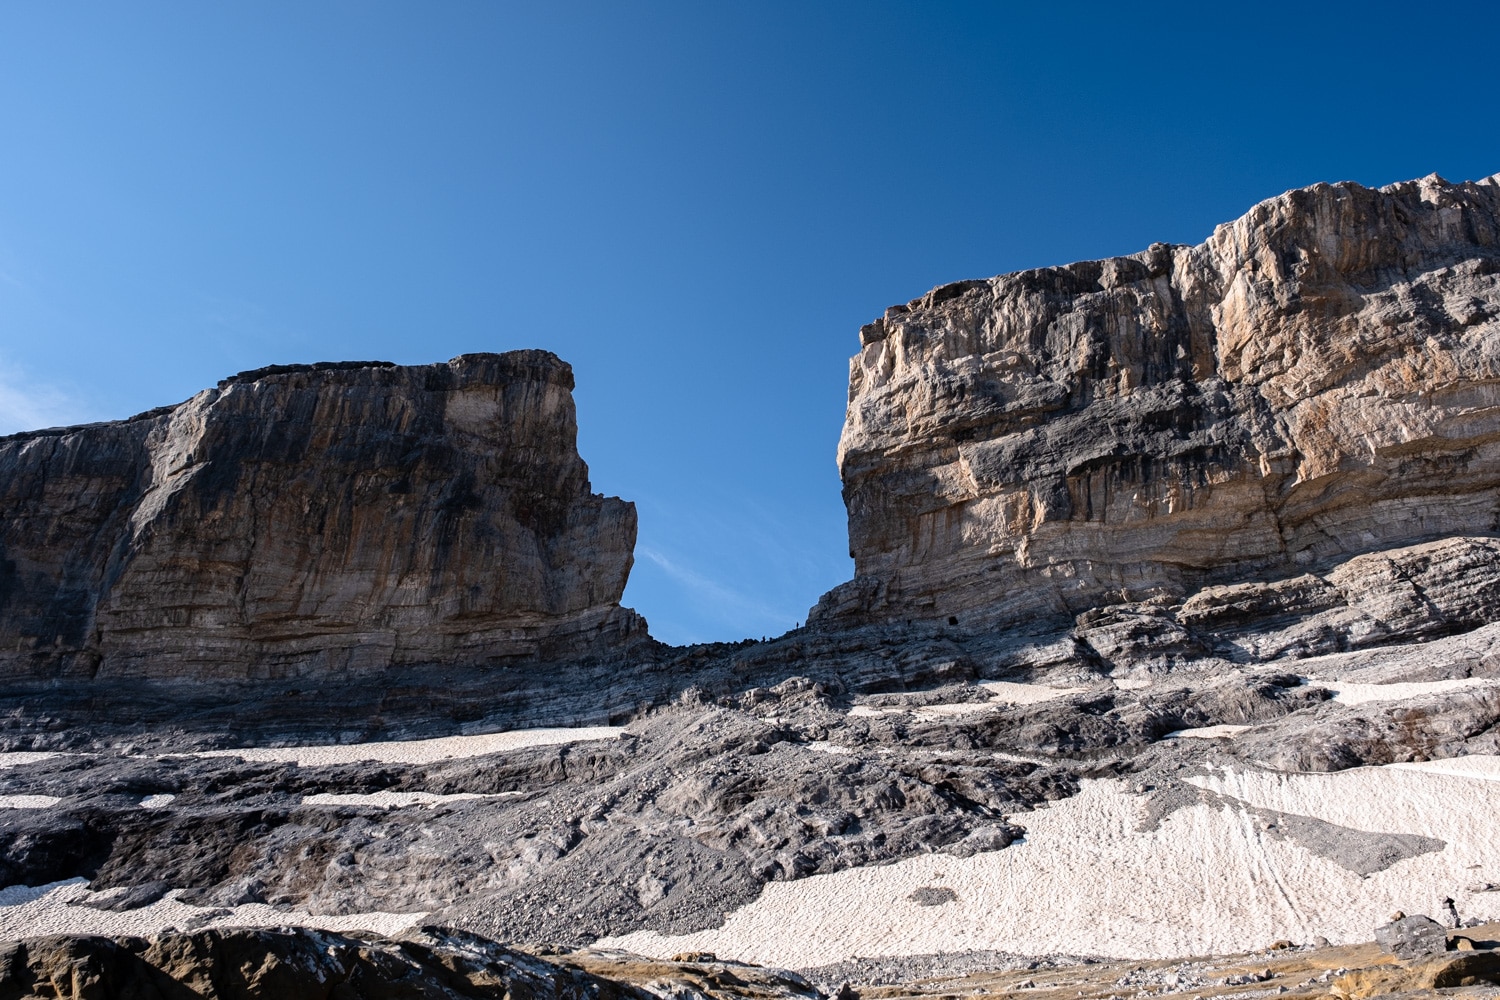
[
  {"x": 323, "y": 518},
  {"x": 1319, "y": 378}
]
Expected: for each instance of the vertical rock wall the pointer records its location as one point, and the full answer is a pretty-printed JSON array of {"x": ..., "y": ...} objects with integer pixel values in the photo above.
[
  {"x": 314, "y": 519},
  {"x": 1319, "y": 378}
]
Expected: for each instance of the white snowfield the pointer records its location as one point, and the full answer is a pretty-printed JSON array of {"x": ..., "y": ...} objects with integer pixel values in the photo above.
[
  {"x": 15, "y": 758},
  {"x": 1208, "y": 733},
  {"x": 1089, "y": 878},
  {"x": 419, "y": 751},
  {"x": 59, "y": 908},
  {"x": 28, "y": 801},
  {"x": 1210, "y": 878},
  {"x": 1001, "y": 693},
  {"x": 1349, "y": 693},
  {"x": 397, "y": 800},
  {"x": 381, "y": 752},
  {"x": 1012, "y": 693}
]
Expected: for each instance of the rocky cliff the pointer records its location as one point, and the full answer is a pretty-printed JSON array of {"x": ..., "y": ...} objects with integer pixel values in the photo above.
[
  {"x": 1255, "y": 482},
  {"x": 314, "y": 519},
  {"x": 1320, "y": 378}
]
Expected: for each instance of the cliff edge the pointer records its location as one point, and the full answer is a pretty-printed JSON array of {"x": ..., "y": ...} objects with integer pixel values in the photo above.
[
  {"x": 1318, "y": 379},
  {"x": 320, "y": 519}
]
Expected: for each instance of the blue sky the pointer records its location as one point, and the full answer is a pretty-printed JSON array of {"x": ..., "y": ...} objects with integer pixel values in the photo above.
[{"x": 696, "y": 204}]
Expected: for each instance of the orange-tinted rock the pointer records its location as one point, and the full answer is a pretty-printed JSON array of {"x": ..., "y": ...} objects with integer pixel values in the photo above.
[{"x": 1318, "y": 379}]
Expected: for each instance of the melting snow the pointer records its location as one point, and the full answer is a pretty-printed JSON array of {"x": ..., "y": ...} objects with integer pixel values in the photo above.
[
  {"x": 419, "y": 751},
  {"x": 1348, "y": 693},
  {"x": 28, "y": 801},
  {"x": 1208, "y": 879},
  {"x": 396, "y": 800},
  {"x": 1207, "y": 733},
  {"x": 61, "y": 908}
]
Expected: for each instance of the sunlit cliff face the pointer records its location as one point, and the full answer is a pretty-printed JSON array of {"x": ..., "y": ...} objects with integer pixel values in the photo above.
[{"x": 1315, "y": 380}]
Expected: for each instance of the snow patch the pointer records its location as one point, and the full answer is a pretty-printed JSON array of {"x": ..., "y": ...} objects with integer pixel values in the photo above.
[
  {"x": 16, "y": 758},
  {"x": 1208, "y": 733},
  {"x": 1348, "y": 693},
  {"x": 397, "y": 800},
  {"x": 1001, "y": 693},
  {"x": 956, "y": 710},
  {"x": 28, "y": 801},
  {"x": 62, "y": 908},
  {"x": 418, "y": 751},
  {"x": 1011, "y": 693}
]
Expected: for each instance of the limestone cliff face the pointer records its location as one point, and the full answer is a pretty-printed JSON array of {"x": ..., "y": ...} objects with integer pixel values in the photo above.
[
  {"x": 314, "y": 518},
  {"x": 1319, "y": 378}
]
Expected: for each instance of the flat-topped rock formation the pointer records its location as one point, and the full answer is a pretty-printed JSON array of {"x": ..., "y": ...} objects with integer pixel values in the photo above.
[
  {"x": 1319, "y": 379},
  {"x": 1180, "y": 568},
  {"x": 320, "y": 519}
]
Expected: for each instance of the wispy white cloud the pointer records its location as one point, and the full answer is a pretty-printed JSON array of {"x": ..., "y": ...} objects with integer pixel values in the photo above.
[
  {"x": 721, "y": 601},
  {"x": 27, "y": 404}
]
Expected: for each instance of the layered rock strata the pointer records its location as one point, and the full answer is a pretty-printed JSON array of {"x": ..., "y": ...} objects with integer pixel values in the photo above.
[
  {"x": 1318, "y": 379},
  {"x": 320, "y": 519}
]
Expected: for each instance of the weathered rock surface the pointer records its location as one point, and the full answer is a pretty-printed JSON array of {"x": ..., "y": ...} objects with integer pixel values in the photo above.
[
  {"x": 1257, "y": 479},
  {"x": 289, "y": 965},
  {"x": 1318, "y": 379},
  {"x": 321, "y": 520},
  {"x": 299, "y": 964},
  {"x": 1416, "y": 936},
  {"x": 1441, "y": 972}
]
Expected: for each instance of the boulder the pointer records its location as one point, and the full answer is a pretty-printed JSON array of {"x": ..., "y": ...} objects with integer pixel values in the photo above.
[
  {"x": 1412, "y": 937},
  {"x": 1468, "y": 968}
]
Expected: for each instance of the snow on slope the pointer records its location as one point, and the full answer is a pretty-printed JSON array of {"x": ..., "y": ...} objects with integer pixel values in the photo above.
[{"x": 1089, "y": 878}]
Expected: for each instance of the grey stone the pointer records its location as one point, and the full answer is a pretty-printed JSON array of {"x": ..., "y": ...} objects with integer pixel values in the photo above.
[{"x": 1414, "y": 936}]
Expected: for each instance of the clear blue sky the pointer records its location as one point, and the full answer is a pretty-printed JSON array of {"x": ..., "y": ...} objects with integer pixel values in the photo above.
[{"x": 696, "y": 203}]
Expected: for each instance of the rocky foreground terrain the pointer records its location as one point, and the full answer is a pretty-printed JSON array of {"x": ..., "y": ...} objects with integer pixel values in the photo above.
[{"x": 1175, "y": 633}]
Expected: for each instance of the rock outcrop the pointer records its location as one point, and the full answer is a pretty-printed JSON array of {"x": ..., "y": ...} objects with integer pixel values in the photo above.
[
  {"x": 1256, "y": 548},
  {"x": 1319, "y": 379},
  {"x": 325, "y": 519},
  {"x": 433, "y": 963},
  {"x": 290, "y": 964}
]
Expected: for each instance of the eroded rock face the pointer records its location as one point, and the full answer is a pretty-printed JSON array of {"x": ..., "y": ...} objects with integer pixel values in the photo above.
[
  {"x": 314, "y": 519},
  {"x": 433, "y": 963},
  {"x": 1318, "y": 379}
]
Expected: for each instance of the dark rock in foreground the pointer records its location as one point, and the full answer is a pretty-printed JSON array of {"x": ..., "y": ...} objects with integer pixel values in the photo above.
[{"x": 300, "y": 964}]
